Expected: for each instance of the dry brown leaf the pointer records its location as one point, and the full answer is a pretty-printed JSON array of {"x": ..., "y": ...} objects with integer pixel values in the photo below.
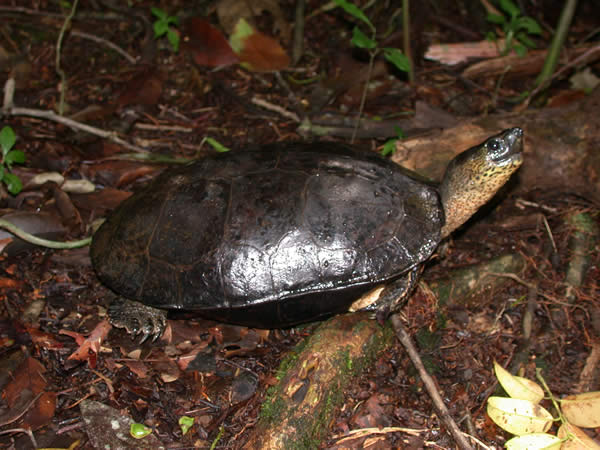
[
  {"x": 89, "y": 347},
  {"x": 207, "y": 45},
  {"x": 41, "y": 412},
  {"x": 258, "y": 51},
  {"x": 28, "y": 376}
]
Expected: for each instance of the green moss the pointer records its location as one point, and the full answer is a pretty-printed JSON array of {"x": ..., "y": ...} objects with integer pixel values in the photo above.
[
  {"x": 290, "y": 359},
  {"x": 427, "y": 340},
  {"x": 348, "y": 358},
  {"x": 370, "y": 350},
  {"x": 442, "y": 291},
  {"x": 273, "y": 406},
  {"x": 310, "y": 431},
  {"x": 334, "y": 397}
]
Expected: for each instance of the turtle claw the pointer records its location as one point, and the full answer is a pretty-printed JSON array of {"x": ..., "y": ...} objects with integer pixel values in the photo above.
[{"x": 138, "y": 319}]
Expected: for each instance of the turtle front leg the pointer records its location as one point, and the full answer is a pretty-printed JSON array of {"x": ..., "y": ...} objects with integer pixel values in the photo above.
[
  {"x": 137, "y": 318},
  {"x": 391, "y": 298},
  {"x": 396, "y": 295}
]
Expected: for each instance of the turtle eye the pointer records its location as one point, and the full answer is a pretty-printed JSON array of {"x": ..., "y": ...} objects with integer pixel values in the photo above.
[
  {"x": 494, "y": 145},
  {"x": 496, "y": 149}
]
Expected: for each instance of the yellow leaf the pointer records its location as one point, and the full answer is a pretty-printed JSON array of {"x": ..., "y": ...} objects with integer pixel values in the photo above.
[
  {"x": 518, "y": 416},
  {"x": 536, "y": 441},
  {"x": 578, "y": 439},
  {"x": 582, "y": 410},
  {"x": 518, "y": 387}
]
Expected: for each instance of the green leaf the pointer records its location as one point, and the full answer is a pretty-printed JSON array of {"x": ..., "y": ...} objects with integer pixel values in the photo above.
[
  {"x": 162, "y": 15},
  {"x": 524, "y": 39},
  {"x": 173, "y": 20},
  {"x": 361, "y": 40},
  {"x": 160, "y": 28},
  {"x": 217, "y": 145},
  {"x": 354, "y": 11},
  {"x": 185, "y": 423},
  {"x": 389, "y": 147},
  {"x": 14, "y": 156},
  {"x": 13, "y": 183},
  {"x": 495, "y": 18},
  {"x": 509, "y": 7},
  {"x": 520, "y": 50},
  {"x": 173, "y": 38},
  {"x": 529, "y": 24},
  {"x": 139, "y": 430},
  {"x": 7, "y": 139},
  {"x": 397, "y": 58},
  {"x": 491, "y": 36}
]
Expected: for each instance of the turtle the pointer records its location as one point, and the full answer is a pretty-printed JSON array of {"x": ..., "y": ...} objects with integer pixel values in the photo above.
[{"x": 287, "y": 233}]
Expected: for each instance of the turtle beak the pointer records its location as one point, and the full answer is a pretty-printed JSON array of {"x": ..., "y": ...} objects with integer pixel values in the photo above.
[
  {"x": 513, "y": 138},
  {"x": 505, "y": 148}
]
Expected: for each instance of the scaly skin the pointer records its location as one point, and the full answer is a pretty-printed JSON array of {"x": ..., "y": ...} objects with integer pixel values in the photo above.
[{"x": 474, "y": 176}]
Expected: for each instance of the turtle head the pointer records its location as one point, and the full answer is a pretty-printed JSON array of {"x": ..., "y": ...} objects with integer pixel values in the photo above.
[{"x": 475, "y": 175}]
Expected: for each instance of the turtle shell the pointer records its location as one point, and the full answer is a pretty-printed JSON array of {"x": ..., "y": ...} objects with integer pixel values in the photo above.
[{"x": 272, "y": 237}]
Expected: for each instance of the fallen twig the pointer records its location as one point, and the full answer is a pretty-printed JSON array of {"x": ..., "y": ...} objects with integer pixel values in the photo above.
[{"x": 438, "y": 403}]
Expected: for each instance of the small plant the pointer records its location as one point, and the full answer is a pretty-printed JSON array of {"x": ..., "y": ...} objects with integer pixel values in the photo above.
[
  {"x": 10, "y": 156},
  {"x": 390, "y": 145},
  {"x": 516, "y": 28},
  {"x": 361, "y": 40},
  {"x": 166, "y": 24}
]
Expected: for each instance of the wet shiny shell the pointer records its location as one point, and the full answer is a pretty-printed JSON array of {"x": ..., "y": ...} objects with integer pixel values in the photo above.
[{"x": 269, "y": 238}]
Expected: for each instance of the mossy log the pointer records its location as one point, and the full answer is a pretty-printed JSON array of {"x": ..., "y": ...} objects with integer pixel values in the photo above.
[
  {"x": 465, "y": 286},
  {"x": 299, "y": 409}
]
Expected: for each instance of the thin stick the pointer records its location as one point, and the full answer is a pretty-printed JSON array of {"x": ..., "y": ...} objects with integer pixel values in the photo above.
[
  {"x": 50, "y": 115},
  {"x": 109, "y": 44},
  {"x": 407, "y": 39},
  {"x": 363, "y": 98},
  {"x": 298, "y": 44},
  {"x": 271, "y": 107},
  {"x": 59, "y": 71},
  {"x": 438, "y": 403}
]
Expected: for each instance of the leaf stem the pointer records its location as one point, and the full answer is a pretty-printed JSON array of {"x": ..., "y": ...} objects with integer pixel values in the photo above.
[{"x": 28, "y": 237}]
